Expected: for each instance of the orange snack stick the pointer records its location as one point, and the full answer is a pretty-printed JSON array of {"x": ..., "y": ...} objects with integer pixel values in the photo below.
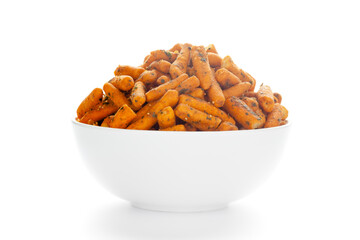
[
  {"x": 243, "y": 113},
  {"x": 250, "y": 94},
  {"x": 228, "y": 63},
  {"x": 123, "y": 82},
  {"x": 115, "y": 95},
  {"x": 100, "y": 112},
  {"x": 161, "y": 65},
  {"x": 201, "y": 66},
  {"x": 266, "y": 98},
  {"x": 252, "y": 82},
  {"x": 176, "y": 47},
  {"x": 237, "y": 90},
  {"x": 162, "y": 79},
  {"x": 227, "y": 126},
  {"x": 190, "y": 128},
  {"x": 166, "y": 118},
  {"x": 215, "y": 93},
  {"x": 134, "y": 72},
  {"x": 190, "y": 71},
  {"x": 179, "y": 66},
  {"x": 179, "y": 127},
  {"x": 123, "y": 117},
  {"x": 188, "y": 85},
  {"x": 198, "y": 119},
  {"x": 277, "y": 116},
  {"x": 148, "y": 76},
  {"x": 164, "y": 55},
  {"x": 225, "y": 78},
  {"x": 137, "y": 95},
  {"x": 147, "y": 121},
  {"x": 254, "y": 105},
  {"x": 92, "y": 100},
  {"x": 144, "y": 110},
  {"x": 214, "y": 59},
  {"x": 198, "y": 93},
  {"x": 206, "y": 107},
  {"x": 159, "y": 91},
  {"x": 211, "y": 48},
  {"x": 106, "y": 122},
  {"x": 278, "y": 97}
]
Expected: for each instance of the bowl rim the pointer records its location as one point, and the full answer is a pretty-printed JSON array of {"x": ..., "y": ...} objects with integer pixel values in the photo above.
[{"x": 77, "y": 123}]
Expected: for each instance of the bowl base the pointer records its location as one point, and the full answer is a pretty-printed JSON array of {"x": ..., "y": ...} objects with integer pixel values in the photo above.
[{"x": 179, "y": 209}]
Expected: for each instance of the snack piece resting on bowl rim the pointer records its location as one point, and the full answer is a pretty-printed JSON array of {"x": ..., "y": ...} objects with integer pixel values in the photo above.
[{"x": 186, "y": 88}]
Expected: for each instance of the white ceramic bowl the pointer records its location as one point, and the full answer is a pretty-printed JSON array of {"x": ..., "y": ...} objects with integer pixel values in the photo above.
[{"x": 180, "y": 171}]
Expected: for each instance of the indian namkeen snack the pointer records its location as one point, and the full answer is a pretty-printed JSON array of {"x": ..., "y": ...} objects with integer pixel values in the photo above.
[{"x": 185, "y": 88}]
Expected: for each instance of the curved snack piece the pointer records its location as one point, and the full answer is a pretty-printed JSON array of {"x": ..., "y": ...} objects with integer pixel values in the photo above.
[
  {"x": 159, "y": 91},
  {"x": 161, "y": 65},
  {"x": 214, "y": 59},
  {"x": 106, "y": 122},
  {"x": 147, "y": 77},
  {"x": 215, "y": 93},
  {"x": 166, "y": 118},
  {"x": 197, "y": 93},
  {"x": 277, "y": 116},
  {"x": 252, "y": 82},
  {"x": 146, "y": 122},
  {"x": 134, "y": 72},
  {"x": 179, "y": 66},
  {"x": 176, "y": 47},
  {"x": 179, "y": 127},
  {"x": 144, "y": 110},
  {"x": 206, "y": 107},
  {"x": 123, "y": 82},
  {"x": 211, "y": 48},
  {"x": 237, "y": 90},
  {"x": 226, "y": 79},
  {"x": 162, "y": 79},
  {"x": 227, "y": 126},
  {"x": 122, "y": 117},
  {"x": 100, "y": 112},
  {"x": 254, "y": 105},
  {"x": 228, "y": 63},
  {"x": 115, "y": 95},
  {"x": 92, "y": 100},
  {"x": 188, "y": 85},
  {"x": 266, "y": 98},
  {"x": 278, "y": 97},
  {"x": 137, "y": 95},
  {"x": 243, "y": 114},
  {"x": 201, "y": 66},
  {"x": 198, "y": 119}
]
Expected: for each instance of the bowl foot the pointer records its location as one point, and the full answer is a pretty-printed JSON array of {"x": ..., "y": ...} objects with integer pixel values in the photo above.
[{"x": 179, "y": 209}]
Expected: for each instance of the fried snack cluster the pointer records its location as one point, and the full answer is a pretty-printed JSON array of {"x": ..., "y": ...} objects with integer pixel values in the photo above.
[{"x": 185, "y": 88}]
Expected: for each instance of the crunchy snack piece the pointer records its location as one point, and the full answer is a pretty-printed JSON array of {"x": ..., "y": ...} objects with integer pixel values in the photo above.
[
  {"x": 123, "y": 117},
  {"x": 214, "y": 59},
  {"x": 190, "y": 128},
  {"x": 237, "y": 90},
  {"x": 179, "y": 127},
  {"x": 106, "y": 122},
  {"x": 211, "y": 48},
  {"x": 188, "y": 85},
  {"x": 201, "y": 65},
  {"x": 137, "y": 95},
  {"x": 215, "y": 93},
  {"x": 146, "y": 122},
  {"x": 228, "y": 63},
  {"x": 176, "y": 47},
  {"x": 254, "y": 105},
  {"x": 92, "y": 100},
  {"x": 166, "y": 118},
  {"x": 134, "y": 72},
  {"x": 243, "y": 114},
  {"x": 123, "y": 82},
  {"x": 206, "y": 107},
  {"x": 227, "y": 126},
  {"x": 278, "y": 97},
  {"x": 161, "y": 65},
  {"x": 159, "y": 91},
  {"x": 162, "y": 79},
  {"x": 250, "y": 94},
  {"x": 277, "y": 116},
  {"x": 179, "y": 66},
  {"x": 266, "y": 98},
  {"x": 115, "y": 95},
  {"x": 148, "y": 76},
  {"x": 100, "y": 112},
  {"x": 190, "y": 71},
  {"x": 226, "y": 79},
  {"x": 200, "y": 120},
  {"x": 198, "y": 93},
  {"x": 144, "y": 110},
  {"x": 252, "y": 82}
]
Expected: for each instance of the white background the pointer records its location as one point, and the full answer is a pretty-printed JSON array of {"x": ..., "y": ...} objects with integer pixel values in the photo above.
[{"x": 53, "y": 53}]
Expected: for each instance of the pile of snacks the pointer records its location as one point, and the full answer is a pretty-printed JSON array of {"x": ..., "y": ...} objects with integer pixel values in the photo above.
[{"x": 186, "y": 88}]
